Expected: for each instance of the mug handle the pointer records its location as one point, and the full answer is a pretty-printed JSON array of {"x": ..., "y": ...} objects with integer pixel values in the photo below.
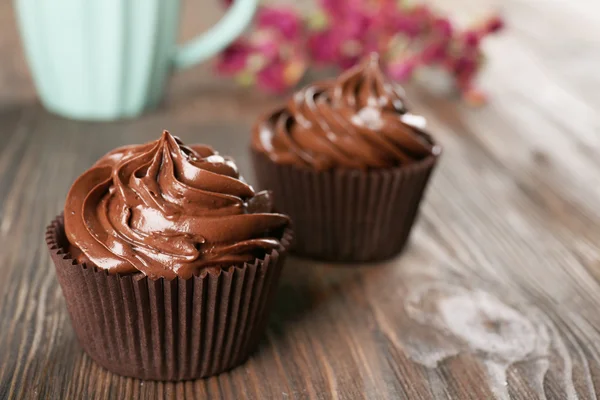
[{"x": 206, "y": 45}]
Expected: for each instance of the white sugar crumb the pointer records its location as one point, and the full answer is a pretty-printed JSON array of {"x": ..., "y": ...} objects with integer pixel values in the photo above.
[
  {"x": 416, "y": 121},
  {"x": 382, "y": 101},
  {"x": 215, "y": 159},
  {"x": 265, "y": 138},
  {"x": 368, "y": 117},
  {"x": 303, "y": 122}
]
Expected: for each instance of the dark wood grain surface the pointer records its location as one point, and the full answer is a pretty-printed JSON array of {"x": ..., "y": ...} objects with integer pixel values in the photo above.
[{"x": 497, "y": 295}]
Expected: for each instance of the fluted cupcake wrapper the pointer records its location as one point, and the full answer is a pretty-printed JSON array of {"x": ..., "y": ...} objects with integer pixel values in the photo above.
[
  {"x": 347, "y": 215},
  {"x": 167, "y": 329}
]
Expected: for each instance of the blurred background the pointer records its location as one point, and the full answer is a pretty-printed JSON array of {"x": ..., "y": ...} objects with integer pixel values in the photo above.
[{"x": 206, "y": 87}]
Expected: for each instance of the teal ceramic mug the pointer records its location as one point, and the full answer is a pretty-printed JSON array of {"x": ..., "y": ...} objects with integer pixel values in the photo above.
[{"x": 110, "y": 59}]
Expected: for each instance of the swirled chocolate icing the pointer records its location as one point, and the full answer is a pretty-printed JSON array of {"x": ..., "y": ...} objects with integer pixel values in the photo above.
[
  {"x": 359, "y": 120},
  {"x": 168, "y": 210}
]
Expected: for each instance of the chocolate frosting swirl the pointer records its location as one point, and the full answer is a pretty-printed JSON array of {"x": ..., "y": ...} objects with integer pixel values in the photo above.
[
  {"x": 168, "y": 210},
  {"x": 359, "y": 120}
]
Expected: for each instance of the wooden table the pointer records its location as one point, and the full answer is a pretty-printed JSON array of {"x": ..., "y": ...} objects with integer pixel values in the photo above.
[{"x": 497, "y": 295}]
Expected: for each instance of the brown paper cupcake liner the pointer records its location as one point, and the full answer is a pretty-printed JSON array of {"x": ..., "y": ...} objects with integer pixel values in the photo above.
[
  {"x": 347, "y": 215},
  {"x": 167, "y": 329}
]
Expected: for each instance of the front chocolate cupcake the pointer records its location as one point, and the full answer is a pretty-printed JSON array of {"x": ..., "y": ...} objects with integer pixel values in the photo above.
[
  {"x": 167, "y": 260},
  {"x": 349, "y": 163}
]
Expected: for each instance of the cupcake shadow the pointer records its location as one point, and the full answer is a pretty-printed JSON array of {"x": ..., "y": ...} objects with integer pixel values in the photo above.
[
  {"x": 294, "y": 296},
  {"x": 306, "y": 285},
  {"x": 349, "y": 264}
]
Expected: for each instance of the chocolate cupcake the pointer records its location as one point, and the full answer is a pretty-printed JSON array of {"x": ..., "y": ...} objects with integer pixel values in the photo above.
[
  {"x": 349, "y": 163},
  {"x": 167, "y": 260}
]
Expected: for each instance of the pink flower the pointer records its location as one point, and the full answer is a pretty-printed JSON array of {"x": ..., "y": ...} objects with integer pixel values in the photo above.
[
  {"x": 267, "y": 42},
  {"x": 272, "y": 56},
  {"x": 280, "y": 75},
  {"x": 471, "y": 39},
  {"x": 494, "y": 24},
  {"x": 334, "y": 46},
  {"x": 434, "y": 52},
  {"x": 283, "y": 20},
  {"x": 340, "y": 9},
  {"x": 405, "y": 23},
  {"x": 442, "y": 28},
  {"x": 323, "y": 46},
  {"x": 234, "y": 58},
  {"x": 348, "y": 40},
  {"x": 271, "y": 77},
  {"x": 464, "y": 69},
  {"x": 401, "y": 70},
  {"x": 275, "y": 55},
  {"x": 464, "y": 66},
  {"x": 411, "y": 21}
]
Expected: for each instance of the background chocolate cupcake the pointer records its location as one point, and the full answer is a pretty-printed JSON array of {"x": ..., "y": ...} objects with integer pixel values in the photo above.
[
  {"x": 167, "y": 260},
  {"x": 349, "y": 163}
]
